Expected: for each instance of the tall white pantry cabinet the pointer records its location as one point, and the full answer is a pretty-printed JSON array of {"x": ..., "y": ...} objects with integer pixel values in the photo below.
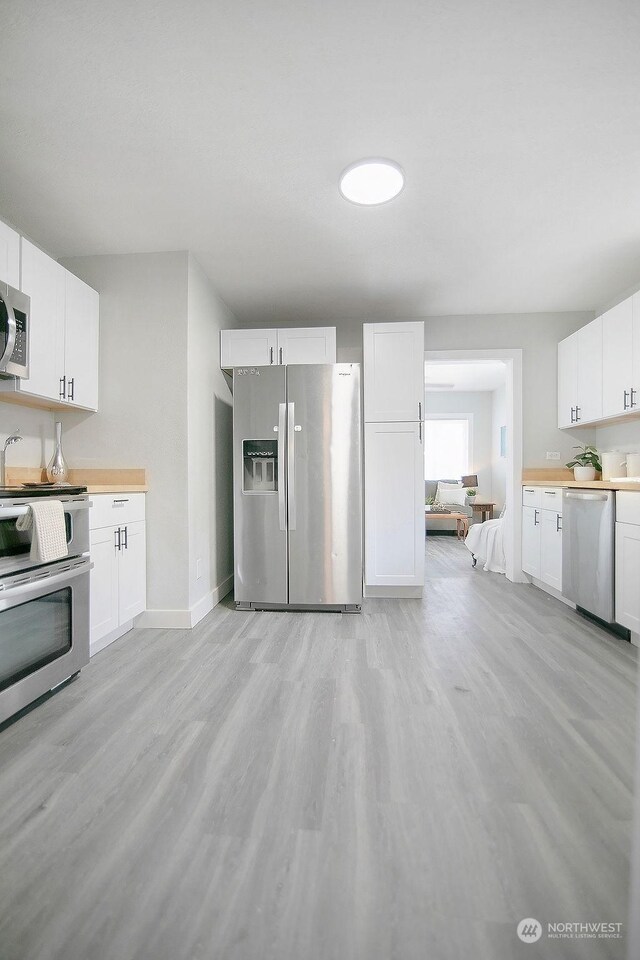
[{"x": 394, "y": 459}]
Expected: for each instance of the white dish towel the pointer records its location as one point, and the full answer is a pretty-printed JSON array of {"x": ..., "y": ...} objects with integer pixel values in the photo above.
[{"x": 49, "y": 537}]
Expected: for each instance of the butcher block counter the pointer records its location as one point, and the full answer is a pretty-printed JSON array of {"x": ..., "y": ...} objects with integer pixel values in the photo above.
[{"x": 116, "y": 480}]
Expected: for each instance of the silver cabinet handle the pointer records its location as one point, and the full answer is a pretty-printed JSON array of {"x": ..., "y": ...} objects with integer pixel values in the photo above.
[
  {"x": 577, "y": 414},
  {"x": 280, "y": 354},
  {"x": 291, "y": 476},
  {"x": 71, "y": 384},
  {"x": 420, "y": 426},
  {"x": 63, "y": 388},
  {"x": 125, "y": 545},
  {"x": 536, "y": 522},
  {"x": 558, "y": 519},
  {"x": 270, "y": 354},
  {"x": 572, "y": 416},
  {"x": 632, "y": 402},
  {"x": 419, "y": 411},
  {"x": 117, "y": 541},
  {"x": 528, "y": 490},
  {"x": 626, "y": 404},
  {"x": 282, "y": 502},
  {"x": 550, "y": 493}
]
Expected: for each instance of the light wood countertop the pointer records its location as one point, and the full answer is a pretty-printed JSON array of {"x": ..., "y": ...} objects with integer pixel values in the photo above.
[
  {"x": 584, "y": 484},
  {"x": 117, "y": 480}
]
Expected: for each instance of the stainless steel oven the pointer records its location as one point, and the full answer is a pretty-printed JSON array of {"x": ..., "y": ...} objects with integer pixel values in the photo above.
[
  {"x": 44, "y": 630},
  {"x": 44, "y": 608},
  {"x": 15, "y": 545}
]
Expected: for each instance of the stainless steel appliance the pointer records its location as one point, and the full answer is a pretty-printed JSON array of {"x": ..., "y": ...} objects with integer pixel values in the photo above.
[
  {"x": 14, "y": 332},
  {"x": 44, "y": 609},
  {"x": 588, "y": 527},
  {"x": 297, "y": 487}
]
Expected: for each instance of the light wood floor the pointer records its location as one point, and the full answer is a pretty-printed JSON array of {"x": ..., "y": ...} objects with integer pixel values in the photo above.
[{"x": 401, "y": 785}]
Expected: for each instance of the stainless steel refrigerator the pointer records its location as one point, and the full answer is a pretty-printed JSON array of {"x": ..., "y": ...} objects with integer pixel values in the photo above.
[{"x": 297, "y": 479}]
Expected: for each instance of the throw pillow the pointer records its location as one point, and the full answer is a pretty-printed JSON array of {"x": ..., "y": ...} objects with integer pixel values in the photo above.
[{"x": 451, "y": 493}]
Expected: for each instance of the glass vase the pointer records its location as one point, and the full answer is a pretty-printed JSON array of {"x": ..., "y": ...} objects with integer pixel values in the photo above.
[{"x": 57, "y": 471}]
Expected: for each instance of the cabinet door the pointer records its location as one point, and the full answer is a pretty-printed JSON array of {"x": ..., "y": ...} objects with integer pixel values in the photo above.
[
  {"x": 43, "y": 281},
  {"x": 394, "y": 504},
  {"x": 103, "y": 583},
  {"x": 635, "y": 352},
  {"x": 82, "y": 305},
  {"x": 551, "y": 548},
  {"x": 531, "y": 541},
  {"x": 307, "y": 345},
  {"x": 132, "y": 571},
  {"x": 617, "y": 358},
  {"x": 393, "y": 372},
  {"x": 567, "y": 380},
  {"x": 627, "y": 595},
  {"x": 9, "y": 256},
  {"x": 248, "y": 348},
  {"x": 589, "y": 402}
]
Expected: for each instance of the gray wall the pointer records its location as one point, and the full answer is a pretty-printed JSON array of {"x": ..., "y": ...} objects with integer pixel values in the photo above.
[
  {"x": 142, "y": 418},
  {"x": 36, "y": 426},
  {"x": 536, "y": 334},
  {"x": 210, "y": 462}
]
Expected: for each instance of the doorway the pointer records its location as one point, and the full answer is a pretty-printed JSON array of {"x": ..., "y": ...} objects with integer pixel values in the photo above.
[{"x": 499, "y": 468}]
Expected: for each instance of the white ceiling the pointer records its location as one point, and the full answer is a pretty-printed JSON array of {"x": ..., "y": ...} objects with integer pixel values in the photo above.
[
  {"x": 223, "y": 126},
  {"x": 472, "y": 376}
]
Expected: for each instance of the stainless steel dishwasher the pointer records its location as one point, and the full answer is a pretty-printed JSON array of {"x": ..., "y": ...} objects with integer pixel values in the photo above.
[{"x": 588, "y": 527}]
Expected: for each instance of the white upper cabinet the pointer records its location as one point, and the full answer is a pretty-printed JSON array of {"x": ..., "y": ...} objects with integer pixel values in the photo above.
[
  {"x": 260, "y": 348},
  {"x": 567, "y": 380},
  {"x": 248, "y": 348},
  {"x": 393, "y": 372},
  {"x": 307, "y": 345},
  {"x": 9, "y": 256},
  {"x": 80, "y": 376},
  {"x": 621, "y": 358},
  {"x": 580, "y": 376},
  {"x": 63, "y": 336},
  {"x": 589, "y": 397}
]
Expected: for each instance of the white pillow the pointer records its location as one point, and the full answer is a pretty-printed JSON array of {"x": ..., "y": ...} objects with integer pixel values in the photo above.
[{"x": 448, "y": 493}]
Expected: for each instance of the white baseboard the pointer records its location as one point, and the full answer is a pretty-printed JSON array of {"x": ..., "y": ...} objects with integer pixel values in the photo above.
[
  {"x": 98, "y": 645},
  {"x": 185, "y": 619},
  {"x": 394, "y": 593},
  {"x": 550, "y": 590}
]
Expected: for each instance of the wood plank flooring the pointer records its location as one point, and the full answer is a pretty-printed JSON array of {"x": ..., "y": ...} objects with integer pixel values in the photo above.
[{"x": 401, "y": 785}]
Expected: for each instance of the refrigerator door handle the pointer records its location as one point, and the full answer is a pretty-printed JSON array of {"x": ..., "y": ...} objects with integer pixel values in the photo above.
[
  {"x": 282, "y": 499},
  {"x": 291, "y": 480}
]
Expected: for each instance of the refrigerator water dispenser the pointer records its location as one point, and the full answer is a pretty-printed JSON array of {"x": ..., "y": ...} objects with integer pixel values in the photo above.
[{"x": 260, "y": 466}]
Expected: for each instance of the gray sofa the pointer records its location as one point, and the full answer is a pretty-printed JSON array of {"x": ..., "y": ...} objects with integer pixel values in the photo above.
[{"x": 438, "y": 522}]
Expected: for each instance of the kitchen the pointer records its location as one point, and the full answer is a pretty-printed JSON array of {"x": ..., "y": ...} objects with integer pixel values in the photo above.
[{"x": 167, "y": 289}]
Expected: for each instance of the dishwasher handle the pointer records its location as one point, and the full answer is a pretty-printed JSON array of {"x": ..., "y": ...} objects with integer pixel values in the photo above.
[{"x": 603, "y": 497}]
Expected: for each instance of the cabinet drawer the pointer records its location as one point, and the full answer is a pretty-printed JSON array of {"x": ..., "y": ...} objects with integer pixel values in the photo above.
[
  {"x": 113, "y": 509},
  {"x": 551, "y": 499},
  {"x": 531, "y": 496},
  {"x": 628, "y": 506}
]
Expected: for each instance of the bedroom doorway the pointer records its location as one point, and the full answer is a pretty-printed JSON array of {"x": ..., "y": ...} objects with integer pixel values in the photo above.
[{"x": 473, "y": 436}]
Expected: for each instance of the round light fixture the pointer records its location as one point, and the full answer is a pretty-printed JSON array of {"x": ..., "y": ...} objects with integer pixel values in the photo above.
[{"x": 369, "y": 182}]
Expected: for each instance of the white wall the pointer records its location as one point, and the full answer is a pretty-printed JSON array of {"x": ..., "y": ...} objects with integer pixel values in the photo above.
[
  {"x": 537, "y": 334},
  {"x": 621, "y": 437},
  {"x": 210, "y": 462},
  {"x": 498, "y": 463},
  {"x": 37, "y": 428},
  {"x": 142, "y": 418},
  {"x": 476, "y": 406}
]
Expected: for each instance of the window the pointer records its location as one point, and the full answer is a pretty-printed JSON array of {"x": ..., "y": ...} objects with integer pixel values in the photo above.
[{"x": 446, "y": 449}]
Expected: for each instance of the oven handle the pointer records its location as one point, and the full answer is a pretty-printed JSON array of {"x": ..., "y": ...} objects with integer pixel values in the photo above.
[
  {"x": 11, "y": 333},
  {"x": 69, "y": 506},
  {"x": 39, "y": 585}
]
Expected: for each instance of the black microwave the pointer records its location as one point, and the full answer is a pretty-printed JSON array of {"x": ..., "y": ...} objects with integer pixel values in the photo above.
[{"x": 14, "y": 332}]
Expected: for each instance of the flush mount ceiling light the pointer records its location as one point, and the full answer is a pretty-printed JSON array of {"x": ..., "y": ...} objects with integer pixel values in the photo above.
[{"x": 369, "y": 182}]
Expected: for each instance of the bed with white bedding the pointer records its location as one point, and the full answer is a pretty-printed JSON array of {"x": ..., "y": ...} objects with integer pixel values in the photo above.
[{"x": 485, "y": 542}]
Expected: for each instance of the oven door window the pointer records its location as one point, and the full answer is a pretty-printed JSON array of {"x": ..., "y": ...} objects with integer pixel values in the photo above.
[
  {"x": 33, "y": 634},
  {"x": 15, "y": 543}
]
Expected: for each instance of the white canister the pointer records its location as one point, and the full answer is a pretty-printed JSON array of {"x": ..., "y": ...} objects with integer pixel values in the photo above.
[
  {"x": 613, "y": 465},
  {"x": 633, "y": 464}
]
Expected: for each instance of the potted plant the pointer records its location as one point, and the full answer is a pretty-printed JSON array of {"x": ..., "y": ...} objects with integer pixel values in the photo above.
[
  {"x": 586, "y": 463},
  {"x": 471, "y": 493}
]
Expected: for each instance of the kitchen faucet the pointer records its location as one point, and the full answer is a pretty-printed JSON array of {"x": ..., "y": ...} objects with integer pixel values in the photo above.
[{"x": 3, "y": 454}]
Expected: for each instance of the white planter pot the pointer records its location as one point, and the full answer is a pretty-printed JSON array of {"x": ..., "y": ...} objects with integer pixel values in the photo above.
[{"x": 584, "y": 473}]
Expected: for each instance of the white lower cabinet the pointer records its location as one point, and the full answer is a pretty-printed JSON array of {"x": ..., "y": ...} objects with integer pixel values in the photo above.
[
  {"x": 394, "y": 506},
  {"x": 627, "y": 594},
  {"x": 542, "y": 535},
  {"x": 119, "y": 573}
]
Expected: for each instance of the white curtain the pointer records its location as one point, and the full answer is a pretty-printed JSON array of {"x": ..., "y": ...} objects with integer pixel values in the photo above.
[{"x": 446, "y": 449}]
